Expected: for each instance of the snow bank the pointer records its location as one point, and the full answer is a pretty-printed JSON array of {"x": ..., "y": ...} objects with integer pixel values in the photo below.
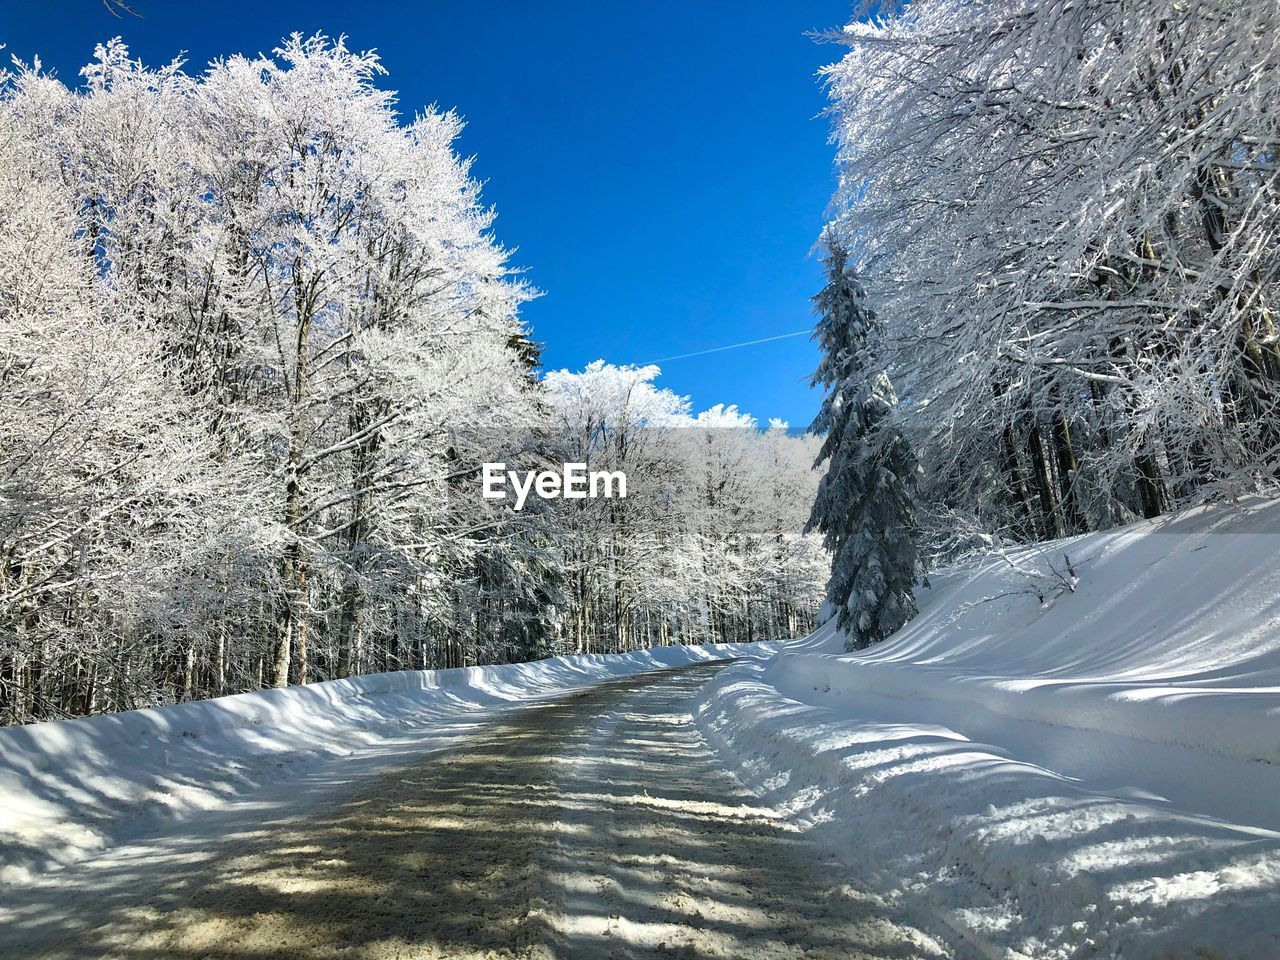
[
  {"x": 1051, "y": 771},
  {"x": 1172, "y": 634},
  {"x": 69, "y": 788},
  {"x": 987, "y": 850}
]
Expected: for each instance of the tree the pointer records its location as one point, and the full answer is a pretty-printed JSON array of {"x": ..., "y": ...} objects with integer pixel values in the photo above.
[
  {"x": 256, "y": 340},
  {"x": 249, "y": 328},
  {"x": 709, "y": 544},
  {"x": 865, "y": 505},
  {"x": 1066, "y": 218}
]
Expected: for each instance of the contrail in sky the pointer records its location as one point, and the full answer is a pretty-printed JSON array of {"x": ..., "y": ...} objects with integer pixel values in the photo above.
[{"x": 731, "y": 346}]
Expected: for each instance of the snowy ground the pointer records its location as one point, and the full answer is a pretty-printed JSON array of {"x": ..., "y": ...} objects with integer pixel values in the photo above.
[
  {"x": 589, "y": 826},
  {"x": 1042, "y": 765},
  {"x": 73, "y": 788},
  {"x": 1092, "y": 774}
]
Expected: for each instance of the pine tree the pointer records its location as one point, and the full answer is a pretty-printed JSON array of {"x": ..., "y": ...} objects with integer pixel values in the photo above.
[{"x": 865, "y": 505}]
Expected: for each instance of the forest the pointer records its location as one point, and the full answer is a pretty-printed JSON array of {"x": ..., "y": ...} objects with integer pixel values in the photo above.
[
  {"x": 256, "y": 339},
  {"x": 316, "y": 640},
  {"x": 1052, "y": 258}
]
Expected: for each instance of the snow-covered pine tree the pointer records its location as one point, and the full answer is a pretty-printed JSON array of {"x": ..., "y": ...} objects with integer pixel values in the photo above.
[{"x": 865, "y": 506}]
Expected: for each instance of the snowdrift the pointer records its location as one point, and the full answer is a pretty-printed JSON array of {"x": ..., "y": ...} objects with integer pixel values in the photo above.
[
  {"x": 69, "y": 788},
  {"x": 1172, "y": 634},
  {"x": 1051, "y": 766}
]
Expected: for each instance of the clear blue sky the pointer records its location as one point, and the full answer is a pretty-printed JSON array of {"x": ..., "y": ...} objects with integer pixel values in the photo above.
[{"x": 661, "y": 166}]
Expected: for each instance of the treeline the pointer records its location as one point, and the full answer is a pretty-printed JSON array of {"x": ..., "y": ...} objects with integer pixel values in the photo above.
[
  {"x": 256, "y": 339},
  {"x": 709, "y": 545},
  {"x": 1064, "y": 218}
]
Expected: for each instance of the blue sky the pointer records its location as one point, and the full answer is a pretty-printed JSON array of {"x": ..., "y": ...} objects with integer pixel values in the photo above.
[{"x": 661, "y": 167}]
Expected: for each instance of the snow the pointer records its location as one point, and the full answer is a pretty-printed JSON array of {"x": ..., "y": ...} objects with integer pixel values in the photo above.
[
  {"x": 72, "y": 788},
  {"x": 1041, "y": 764},
  {"x": 1091, "y": 774},
  {"x": 864, "y": 30},
  {"x": 1172, "y": 635}
]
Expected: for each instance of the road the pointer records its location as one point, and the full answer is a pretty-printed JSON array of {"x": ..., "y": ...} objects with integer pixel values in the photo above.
[{"x": 599, "y": 825}]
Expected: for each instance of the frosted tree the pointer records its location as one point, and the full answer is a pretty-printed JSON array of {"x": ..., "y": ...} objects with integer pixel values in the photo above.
[
  {"x": 256, "y": 339},
  {"x": 613, "y": 417},
  {"x": 380, "y": 327},
  {"x": 864, "y": 506},
  {"x": 106, "y": 481},
  {"x": 709, "y": 544},
  {"x": 1066, "y": 217},
  {"x": 279, "y": 330}
]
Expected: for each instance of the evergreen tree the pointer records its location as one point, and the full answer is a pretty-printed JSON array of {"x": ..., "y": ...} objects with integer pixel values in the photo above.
[{"x": 865, "y": 505}]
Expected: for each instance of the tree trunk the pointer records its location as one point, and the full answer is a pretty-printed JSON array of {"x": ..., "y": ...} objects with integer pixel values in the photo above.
[
  {"x": 1017, "y": 485},
  {"x": 1051, "y": 521},
  {"x": 1150, "y": 487},
  {"x": 1066, "y": 457},
  {"x": 189, "y": 671}
]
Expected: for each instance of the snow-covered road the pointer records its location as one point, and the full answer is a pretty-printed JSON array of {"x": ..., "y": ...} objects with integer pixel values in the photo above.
[{"x": 595, "y": 825}]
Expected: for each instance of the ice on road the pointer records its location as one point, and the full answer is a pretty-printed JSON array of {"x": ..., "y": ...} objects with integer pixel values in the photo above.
[{"x": 597, "y": 825}]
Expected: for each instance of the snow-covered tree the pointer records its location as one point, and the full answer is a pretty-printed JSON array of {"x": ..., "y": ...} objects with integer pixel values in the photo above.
[
  {"x": 866, "y": 513},
  {"x": 256, "y": 340},
  {"x": 265, "y": 325},
  {"x": 864, "y": 506},
  {"x": 709, "y": 544},
  {"x": 1066, "y": 216}
]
